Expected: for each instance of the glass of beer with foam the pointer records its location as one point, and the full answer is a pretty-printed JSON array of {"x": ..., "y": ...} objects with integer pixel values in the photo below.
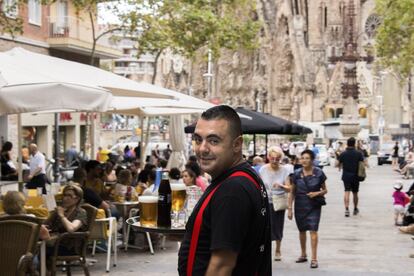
[
  {"x": 148, "y": 209},
  {"x": 178, "y": 197}
]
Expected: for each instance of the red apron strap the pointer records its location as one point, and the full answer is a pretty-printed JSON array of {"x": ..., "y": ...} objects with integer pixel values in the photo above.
[
  {"x": 248, "y": 176},
  {"x": 199, "y": 221}
]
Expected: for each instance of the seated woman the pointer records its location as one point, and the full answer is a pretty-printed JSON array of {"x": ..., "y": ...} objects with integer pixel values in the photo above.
[
  {"x": 151, "y": 190},
  {"x": 7, "y": 168},
  {"x": 13, "y": 204},
  {"x": 123, "y": 188},
  {"x": 201, "y": 181},
  {"x": 68, "y": 218},
  {"x": 109, "y": 172},
  {"x": 408, "y": 165}
]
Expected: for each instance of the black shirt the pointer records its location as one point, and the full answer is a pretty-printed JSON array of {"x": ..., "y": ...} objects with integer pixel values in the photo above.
[
  {"x": 395, "y": 153},
  {"x": 237, "y": 219},
  {"x": 92, "y": 198},
  {"x": 350, "y": 160}
]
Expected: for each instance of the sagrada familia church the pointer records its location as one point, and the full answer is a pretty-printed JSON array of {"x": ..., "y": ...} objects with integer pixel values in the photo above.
[{"x": 298, "y": 73}]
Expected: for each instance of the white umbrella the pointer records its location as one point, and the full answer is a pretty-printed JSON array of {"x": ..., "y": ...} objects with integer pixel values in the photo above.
[
  {"x": 52, "y": 97},
  {"x": 177, "y": 137},
  {"x": 20, "y": 66},
  {"x": 45, "y": 95},
  {"x": 182, "y": 104}
]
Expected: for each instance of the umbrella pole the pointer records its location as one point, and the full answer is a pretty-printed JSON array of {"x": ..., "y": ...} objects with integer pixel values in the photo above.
[
  {"x": 93, "y": 151},
  {"x": 19, "y": 151},
  {"x": 266, "y": 144},
  {"x": 254, "y": 144},
  {"x": 142, "y": 154},
  {"x": 57, "y": 138}
]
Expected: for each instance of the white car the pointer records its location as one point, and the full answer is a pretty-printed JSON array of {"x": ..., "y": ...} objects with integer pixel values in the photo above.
[
  {"x": 300, "y": 146},
  {"x": 323, "y": 157}
]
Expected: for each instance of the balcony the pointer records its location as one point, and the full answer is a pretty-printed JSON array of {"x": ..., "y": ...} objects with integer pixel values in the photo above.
[
  {"x": 133, "y": 70},
  {"x": 73, "y": 34}
]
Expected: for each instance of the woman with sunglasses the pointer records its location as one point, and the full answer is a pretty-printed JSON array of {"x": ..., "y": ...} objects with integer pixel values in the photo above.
[{"x": 69, "y": 217}]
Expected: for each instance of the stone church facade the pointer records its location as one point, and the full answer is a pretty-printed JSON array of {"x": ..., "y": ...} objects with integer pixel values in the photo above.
[{"x": 290, "y": 76}]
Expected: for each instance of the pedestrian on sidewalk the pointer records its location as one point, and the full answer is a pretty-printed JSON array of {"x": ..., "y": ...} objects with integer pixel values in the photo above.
[
  {"x": 308, "y": 191},
  {"x": 349, "y": 162},
  {"x": 275, "y": 176},
  {"x": 400, "y": 200},
  {"x": 228, "y": 232},
  {"x": 395, "y": 154}
]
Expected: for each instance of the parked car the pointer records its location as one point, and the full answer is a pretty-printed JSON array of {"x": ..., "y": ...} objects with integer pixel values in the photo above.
[
  {"x": 384, "y": 154},
  {"x": 300, "y": 146},
  {"x": 323, "y": 156}
]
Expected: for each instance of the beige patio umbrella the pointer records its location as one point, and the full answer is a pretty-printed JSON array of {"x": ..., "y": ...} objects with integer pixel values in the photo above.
[
  {"x": 47, "y": 96},
  {"x": 64, "y": 71}
]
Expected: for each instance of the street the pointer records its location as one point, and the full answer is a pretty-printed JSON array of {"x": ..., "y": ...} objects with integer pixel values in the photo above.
[{"x": 367, "y": 244}]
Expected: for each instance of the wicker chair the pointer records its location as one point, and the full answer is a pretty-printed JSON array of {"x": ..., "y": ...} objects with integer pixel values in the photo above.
[
  {"x": 78, "y": 238},
  {"x": 17, "y": 242},
  {"x": 31, "y": 219}
]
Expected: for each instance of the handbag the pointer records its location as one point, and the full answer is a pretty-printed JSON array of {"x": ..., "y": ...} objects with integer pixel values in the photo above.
[
  {"x": 319, "y": 201},
  {"x": 280, "y": 202},
  {"x": 361, "y": 171}
]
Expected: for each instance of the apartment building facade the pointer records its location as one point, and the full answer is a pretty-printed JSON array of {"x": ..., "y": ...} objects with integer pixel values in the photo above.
[{"x": 61, "y": 31}]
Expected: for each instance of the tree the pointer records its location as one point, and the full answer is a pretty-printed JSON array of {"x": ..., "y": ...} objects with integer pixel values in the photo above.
[
  {"x": 187, "y": 26},
  {"x": 395, "y": 36},
  {"x": 11, "y": 21}
]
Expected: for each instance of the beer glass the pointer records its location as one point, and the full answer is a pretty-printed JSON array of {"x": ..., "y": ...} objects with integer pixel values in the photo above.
[
  {"x": 178, "y": 196},
  {"x": 148, "y": 206}
]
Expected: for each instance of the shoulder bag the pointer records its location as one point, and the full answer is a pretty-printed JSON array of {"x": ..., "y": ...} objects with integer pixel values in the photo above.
[
  {"x": 361, "y": 171},
  {"x": 280, "y": 202}
]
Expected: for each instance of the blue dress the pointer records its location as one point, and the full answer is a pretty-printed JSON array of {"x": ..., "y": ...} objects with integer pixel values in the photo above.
[{"x": 307, "y": 215}]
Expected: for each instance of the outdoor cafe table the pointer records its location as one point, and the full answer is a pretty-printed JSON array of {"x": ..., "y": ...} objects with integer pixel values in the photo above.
[
  {"x": 136, "y": 224},
  {"x": 124, "y": 214}
]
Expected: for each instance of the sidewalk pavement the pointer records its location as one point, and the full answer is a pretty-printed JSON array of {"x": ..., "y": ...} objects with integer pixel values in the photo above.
[{"x": 366, "y": 244}]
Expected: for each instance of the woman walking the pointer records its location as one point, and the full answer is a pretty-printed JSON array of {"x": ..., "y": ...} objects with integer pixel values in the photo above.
[
  {"x": 276, "y": 179},
  {"x": 308, "y": 190},
  {"x": 395, "y": 154}
]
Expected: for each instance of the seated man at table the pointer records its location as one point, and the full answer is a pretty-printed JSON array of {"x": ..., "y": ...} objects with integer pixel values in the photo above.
[
  {"x": 13, "y": 204},
  {"x": 68, "y": 218},
  {"x": 93, "y": 180},
  {"x": 92, "y": 198},
  {"x": 89, "y": 195}
]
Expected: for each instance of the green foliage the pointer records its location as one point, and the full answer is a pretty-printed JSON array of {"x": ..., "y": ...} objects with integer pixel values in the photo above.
[
  {"x": 395, "y": 37},
  {"x": 186, "y": 26},
  {"x": 9, "y": 23}
]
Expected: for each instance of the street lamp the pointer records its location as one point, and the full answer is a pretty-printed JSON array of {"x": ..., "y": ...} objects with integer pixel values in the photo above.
[
  {"x": 381, "y": 121},
  {"x": 209, "y": 75}
]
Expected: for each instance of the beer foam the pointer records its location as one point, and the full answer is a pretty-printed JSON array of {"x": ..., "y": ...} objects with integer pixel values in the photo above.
[
  {"x": 148, "y": 199},
  {"x": 177, "y": 186}
]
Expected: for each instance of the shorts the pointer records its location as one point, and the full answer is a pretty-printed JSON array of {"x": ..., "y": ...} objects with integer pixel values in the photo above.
[
  {"x": 351, "y": 187},
  {"x": 399, "y": 209}
]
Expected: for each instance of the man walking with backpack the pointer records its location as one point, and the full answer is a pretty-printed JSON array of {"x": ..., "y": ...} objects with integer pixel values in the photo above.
[{"x": 349, "y": 163}]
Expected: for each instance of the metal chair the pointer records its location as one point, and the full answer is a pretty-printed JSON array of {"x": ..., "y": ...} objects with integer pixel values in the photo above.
[
  {"x": 132, "y": 213},
  {"x": 105, "y": 229},
  {"x": 17, "y": 243}
]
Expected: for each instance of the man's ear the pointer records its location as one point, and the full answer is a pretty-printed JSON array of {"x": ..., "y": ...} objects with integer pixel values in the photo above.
[{"x": 238, "y": 144}]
